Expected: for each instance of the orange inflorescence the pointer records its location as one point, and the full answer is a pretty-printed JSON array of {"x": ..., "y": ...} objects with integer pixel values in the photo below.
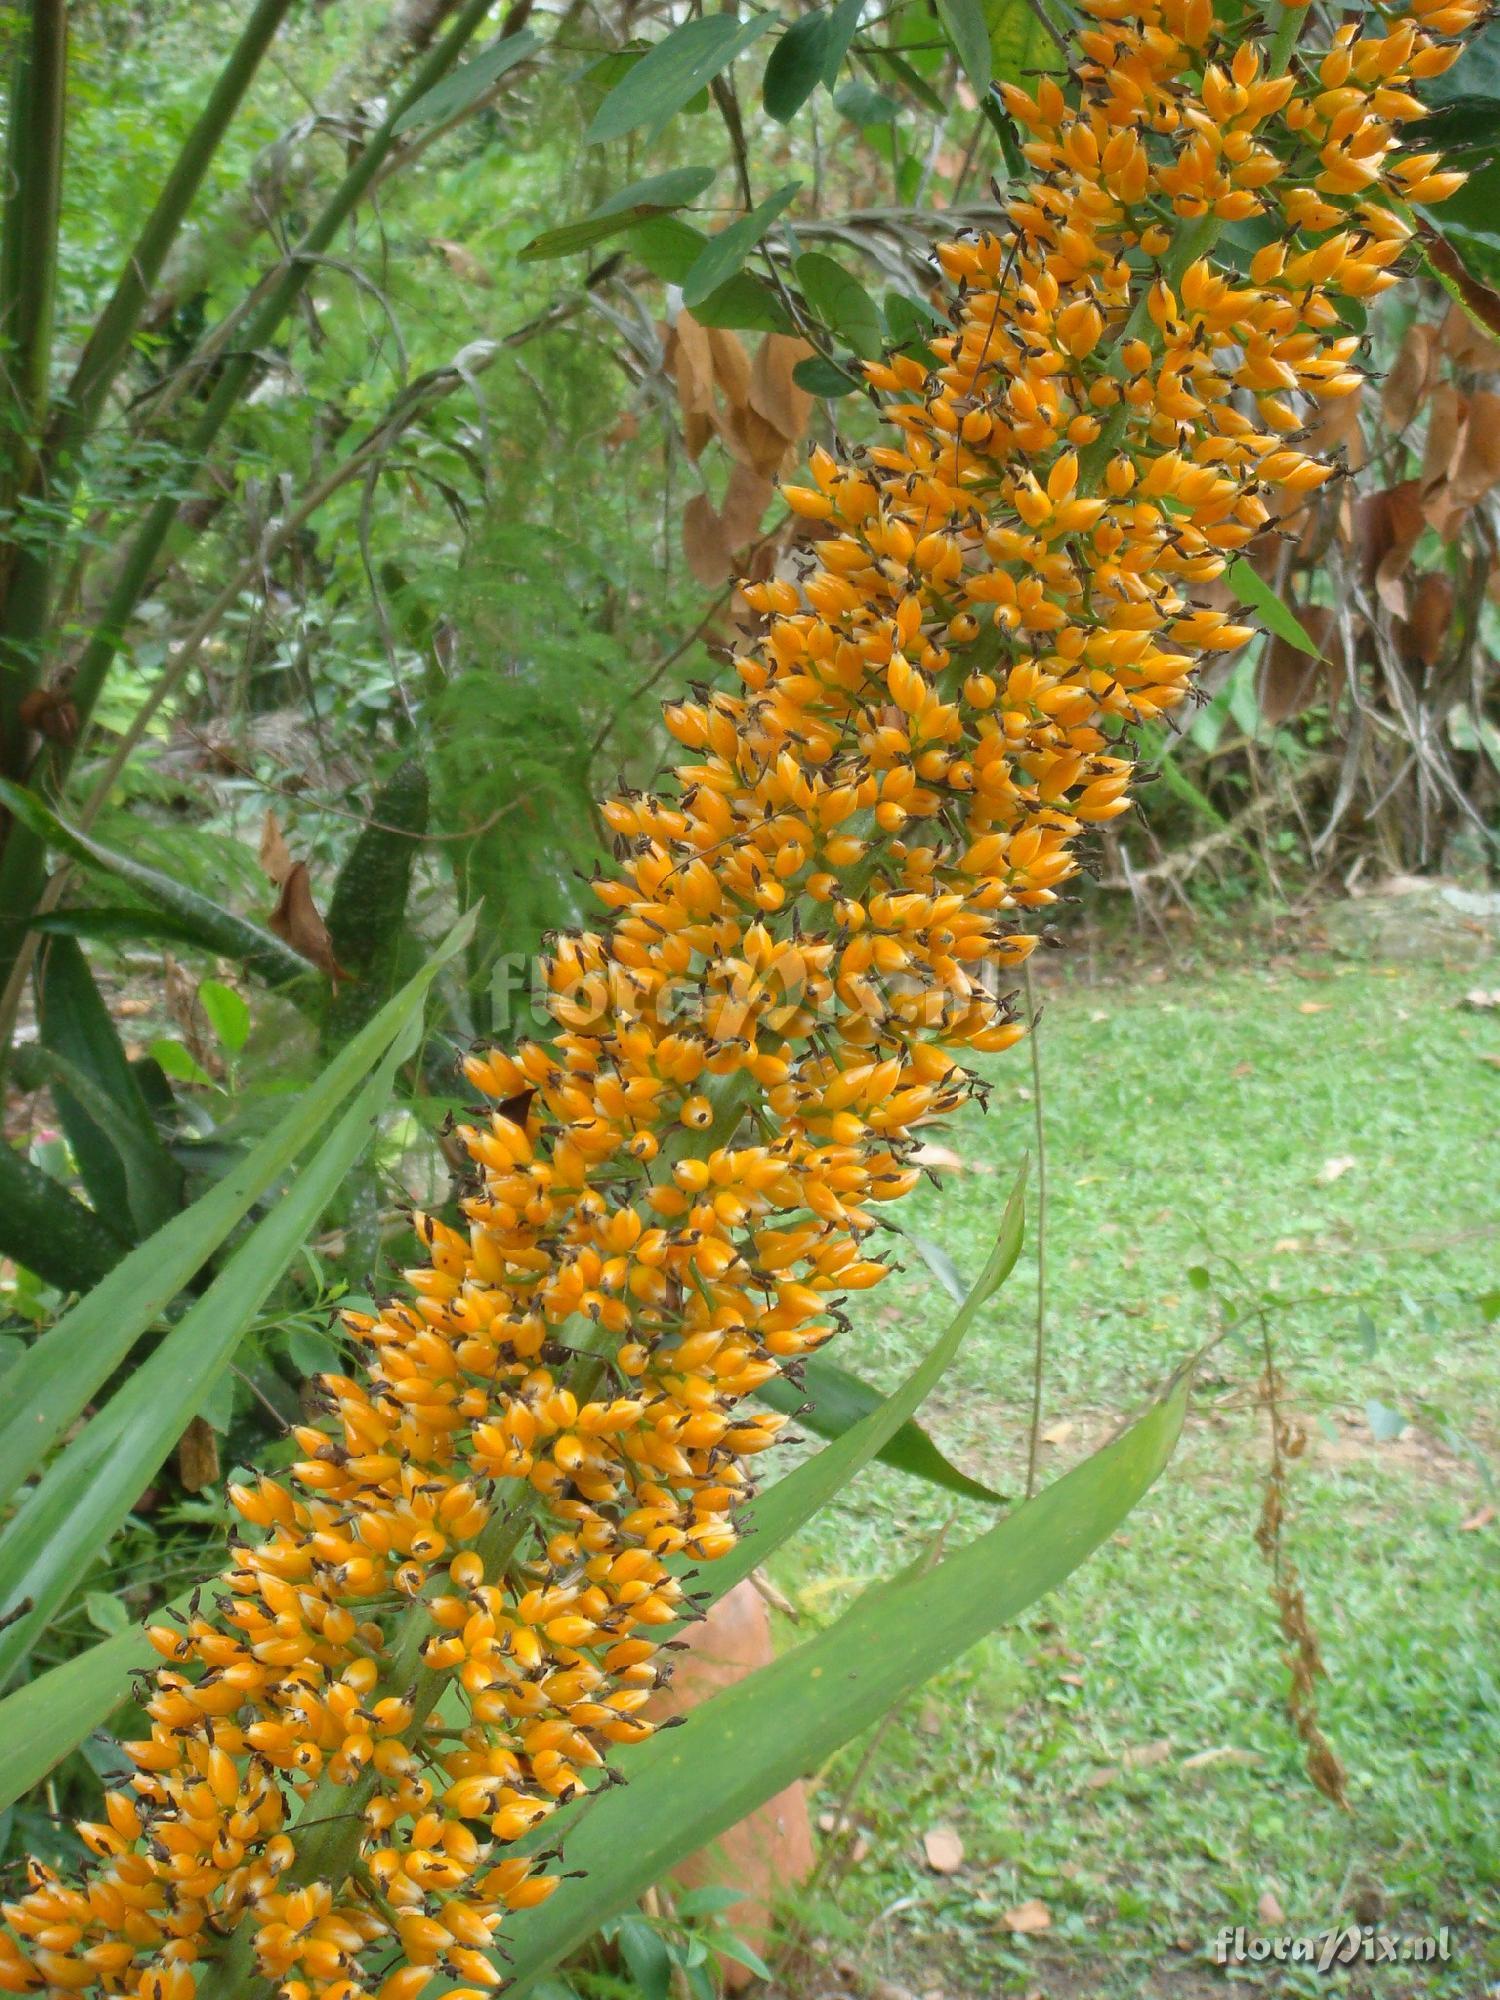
[{"x": 436, "y": 1626}]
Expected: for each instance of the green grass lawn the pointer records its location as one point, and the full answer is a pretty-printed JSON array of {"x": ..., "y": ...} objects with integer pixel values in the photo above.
[{"x": 1319, "y": 1133}]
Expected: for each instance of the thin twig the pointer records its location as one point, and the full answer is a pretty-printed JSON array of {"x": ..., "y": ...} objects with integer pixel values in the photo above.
[{"x": 1039, "y": 1356}]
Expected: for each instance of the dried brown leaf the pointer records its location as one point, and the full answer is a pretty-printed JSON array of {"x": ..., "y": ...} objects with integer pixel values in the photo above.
[
  {"x": 1395, "y": 527},
  {"x": 731, "y": 364},
  {"x": 1290, "y": 681},
  {"x": 746, "y": 499},
  {"x": 692, "y": 363},
  {"x": 774, "y": 396},
  {"x": 1143, "y": 1755},
  {"x": 462, "y": 262},
  {"x": 1269, "y": 1909},
  {"x": 704, "y": 542},
  {"x": 1430, "y": 616},
  {"x": 296, "y": 921},
  {"x": 198, "y": 1456},
  {"x": 1466, "y": 345},
  {"x": 1480, "y": 302},
  {"x": 1410, "y": 378},
  {"x": 275, "y": 856},
  {"x": 1475, "y": 465}
]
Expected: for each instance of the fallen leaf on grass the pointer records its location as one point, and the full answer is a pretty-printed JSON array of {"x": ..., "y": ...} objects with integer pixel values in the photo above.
[
  {"x": 1335, "y": 1169},
  {"x": 1142, "y": 1755},
  {"x": 1097, "y": 1780},
  {"x": 1026, "y": 1919},
  {"x": 1057, "y": 1433},
  {"x": 1480, "y": 1519},
  {"x": 1313, "y": 1006},
  {"x": 1269, "y": 1910},
  {"x": 944, "y": 1850},
  {"x": 1481, "y": 998}
]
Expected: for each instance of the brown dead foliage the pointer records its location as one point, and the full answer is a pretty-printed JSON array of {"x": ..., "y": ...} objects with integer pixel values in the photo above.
[{"x": 756, "y": 413}]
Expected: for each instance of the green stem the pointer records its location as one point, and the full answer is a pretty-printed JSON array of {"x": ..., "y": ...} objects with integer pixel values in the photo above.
[
  {"x": 28, "y": 284},
  {"x": 78, "y": 408}
]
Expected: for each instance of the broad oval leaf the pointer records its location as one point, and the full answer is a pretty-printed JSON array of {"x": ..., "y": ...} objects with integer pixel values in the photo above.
[
  {"x": 841, "y": 302},
  {"x": 1275, "y": 615},
  {"x": 627, "y": 209},
  {"x": 467, "y": 85},
  {"x": 668, "y": 190},
  {"x": 723, "y": 254},
  {"x": 672, "y": 71},
  {"x": 811, "y": 52}
]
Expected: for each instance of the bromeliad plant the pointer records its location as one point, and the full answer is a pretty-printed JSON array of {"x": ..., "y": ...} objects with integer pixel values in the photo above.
[{"x": 445, "y": 1623}]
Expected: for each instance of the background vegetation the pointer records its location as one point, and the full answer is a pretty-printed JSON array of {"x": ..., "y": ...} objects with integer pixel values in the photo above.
[{"x": 381, "y": 436}]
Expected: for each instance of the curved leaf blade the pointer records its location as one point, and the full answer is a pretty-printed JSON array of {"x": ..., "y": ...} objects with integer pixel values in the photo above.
[
  {"x": 746, "y": 1744},
  {"x": 86, "y": 1492},
  {"x": 59, "y": 1373},
  {"x": 832, "y": 1401},
  {"x": 466, "y": 86},
  {"x": 214, "y": 929}
]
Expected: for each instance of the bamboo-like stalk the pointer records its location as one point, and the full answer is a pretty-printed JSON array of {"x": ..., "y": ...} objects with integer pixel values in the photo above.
[
  {"x": 28, "y": 282},
  {"x": 22, "y": 864},
  {"x": 77, "y": 410}
]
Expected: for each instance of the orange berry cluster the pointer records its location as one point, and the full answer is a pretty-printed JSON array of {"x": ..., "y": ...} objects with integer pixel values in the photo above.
[{"x": 435, "y": 1627}]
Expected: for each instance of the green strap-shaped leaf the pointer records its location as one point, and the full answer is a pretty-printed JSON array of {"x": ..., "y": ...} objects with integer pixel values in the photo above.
[
  {"x": 466, "y": 86},
  {"x": 723, "y": 254},
  {"x": 777, "y": 1513},
  {"x": 50, "y": 1716},
  {"x": 688, "y": 1785},
  {"x": 122, "y": 923},
  {"x": 832, "y": 1401},
  {"x": 129, "y": 1174},
  {"x": 673, "y": 70},
  {"x": 66, "y": 1521},
  {"x": 213, "y": 929},
  {"x": 59, "y": 1373}
]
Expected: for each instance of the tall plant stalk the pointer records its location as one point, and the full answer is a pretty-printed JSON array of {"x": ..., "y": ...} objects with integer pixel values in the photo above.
[{"x": 28, "y": 284}]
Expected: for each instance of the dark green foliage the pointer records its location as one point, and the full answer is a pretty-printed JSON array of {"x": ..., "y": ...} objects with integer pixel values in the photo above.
[
  {"x": 129, "y": 1175},
  {"x": 42, "y": 1226},
  {"x": 367, "y": 916}
]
